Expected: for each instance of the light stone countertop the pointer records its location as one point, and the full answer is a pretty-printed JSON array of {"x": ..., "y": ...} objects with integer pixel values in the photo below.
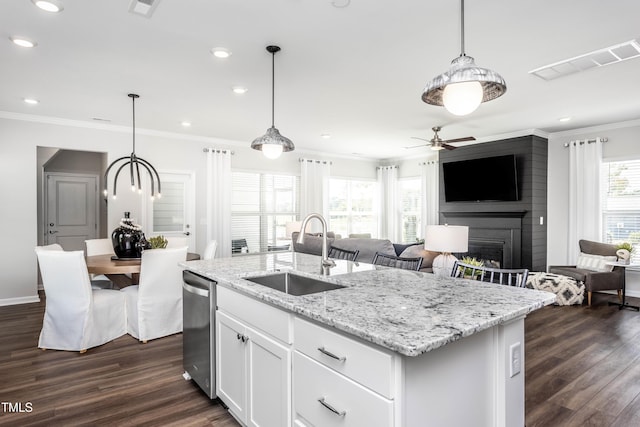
[{"x": 405, "y": 311}]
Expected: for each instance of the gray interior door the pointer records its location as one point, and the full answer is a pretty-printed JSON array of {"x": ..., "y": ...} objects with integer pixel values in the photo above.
[{"x": 71, "y": 209}]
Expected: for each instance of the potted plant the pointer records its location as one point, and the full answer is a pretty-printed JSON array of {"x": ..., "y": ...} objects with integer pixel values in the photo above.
[
  {"x": 158, "y": 242},
  {"x": 623, "y": 251},
  {"x": 469, "y": 273}
]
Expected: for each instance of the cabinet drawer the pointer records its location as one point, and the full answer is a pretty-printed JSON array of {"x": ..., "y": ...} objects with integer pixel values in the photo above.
[
  {"x": 364, "y": 364},
  {"x": 258, "y": 314},
  {"x": 313, "y": 382}
]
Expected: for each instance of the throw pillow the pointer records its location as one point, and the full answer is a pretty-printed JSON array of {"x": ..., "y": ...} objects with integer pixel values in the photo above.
[
  {"x": 416, "y": 251},
  {"x": 595, "y": 262}
]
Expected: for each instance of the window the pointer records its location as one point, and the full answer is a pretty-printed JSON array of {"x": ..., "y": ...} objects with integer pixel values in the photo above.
[
  {"x": 410, "y": 193},
  {"x": 261, "y": 205},
  {"x": 621, "y": 203},
  {"x": 353, "y": 206}
]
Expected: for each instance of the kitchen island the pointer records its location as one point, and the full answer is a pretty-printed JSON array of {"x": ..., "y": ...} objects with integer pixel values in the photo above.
[{"x": 391, "y": 348}]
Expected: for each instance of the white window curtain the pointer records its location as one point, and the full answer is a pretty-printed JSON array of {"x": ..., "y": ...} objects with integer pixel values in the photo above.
[
  {"x": 430, "y": 192},
  {"x": 389, "y": 227},
  {"x": 219, "y": 200},
  {"x": 585, "y": 221},
  {"x": 314, "y": 190}
]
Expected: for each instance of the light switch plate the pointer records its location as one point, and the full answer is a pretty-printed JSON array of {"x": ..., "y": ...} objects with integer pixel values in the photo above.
[{"x": 515, "y": 359}]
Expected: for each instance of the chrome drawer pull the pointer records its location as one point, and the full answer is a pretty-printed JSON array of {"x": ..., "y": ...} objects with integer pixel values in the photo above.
[
  {"x": 331, "y": 408},
  {"x": 331, "y": 355}
]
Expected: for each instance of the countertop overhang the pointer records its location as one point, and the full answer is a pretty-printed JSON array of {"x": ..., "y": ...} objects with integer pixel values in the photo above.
[{"x": 407, "y": 312}]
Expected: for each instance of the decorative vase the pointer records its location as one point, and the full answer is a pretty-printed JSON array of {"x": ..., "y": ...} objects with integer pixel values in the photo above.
[
  {"x": 624, "y": 256},
  {"x": 128, "y": 239}
]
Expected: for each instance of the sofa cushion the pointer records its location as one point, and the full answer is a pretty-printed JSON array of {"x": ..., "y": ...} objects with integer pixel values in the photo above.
[
  {"x": 312, "y": 243},
  {"x": 416, "y": 251},
  {"x": 595, "y": 262},
  {"x": 367, "y": 247}
]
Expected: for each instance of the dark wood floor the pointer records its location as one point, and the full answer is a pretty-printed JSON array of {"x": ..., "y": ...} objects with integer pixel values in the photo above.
[{"x": 582, "y": 369}]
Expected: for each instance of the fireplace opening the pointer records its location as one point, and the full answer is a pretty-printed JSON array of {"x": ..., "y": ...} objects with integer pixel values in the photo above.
[{"x": 489, "y": 251}]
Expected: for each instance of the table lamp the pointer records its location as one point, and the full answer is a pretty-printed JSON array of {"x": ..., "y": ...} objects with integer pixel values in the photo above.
[{"x": 446, "y": 239}]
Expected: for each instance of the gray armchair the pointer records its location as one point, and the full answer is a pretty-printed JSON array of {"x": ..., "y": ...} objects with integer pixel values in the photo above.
[{"x": 594, "y": 280}]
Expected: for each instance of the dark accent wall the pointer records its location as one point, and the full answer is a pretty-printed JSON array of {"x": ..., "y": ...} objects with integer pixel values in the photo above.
[{"x": 531, "y": 164}]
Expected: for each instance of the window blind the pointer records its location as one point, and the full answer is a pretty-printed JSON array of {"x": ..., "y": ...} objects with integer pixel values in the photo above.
[{"x": 621, "y": 203}]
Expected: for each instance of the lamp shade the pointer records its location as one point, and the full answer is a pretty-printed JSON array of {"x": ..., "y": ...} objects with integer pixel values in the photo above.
[{"x": 447, "y": 238}]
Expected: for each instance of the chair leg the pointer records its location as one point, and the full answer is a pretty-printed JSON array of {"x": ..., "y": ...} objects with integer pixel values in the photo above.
[
  {"x": 84, "y": 350},
  {"x": 620, "y": 295},
  {"x": 589, "y": 298},
  {"x": 144, "y": 341}
]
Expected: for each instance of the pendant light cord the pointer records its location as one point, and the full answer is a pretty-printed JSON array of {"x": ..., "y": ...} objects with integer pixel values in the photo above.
[
  {"x": 462, "y": 53},
  {"x": 133, "y": 106},
  {"x": 273, "y": 85}
]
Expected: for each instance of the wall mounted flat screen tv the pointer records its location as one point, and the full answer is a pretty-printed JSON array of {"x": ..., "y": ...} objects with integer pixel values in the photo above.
[{"x": 484, "y": 179}]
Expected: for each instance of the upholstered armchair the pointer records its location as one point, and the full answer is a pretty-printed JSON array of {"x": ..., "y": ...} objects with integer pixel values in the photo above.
[{"x": 593, "y": 276}]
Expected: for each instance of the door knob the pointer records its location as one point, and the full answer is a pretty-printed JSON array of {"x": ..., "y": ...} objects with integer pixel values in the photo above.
[
  {"x": 53, "y": 231},
  {"x": 187, "y": 233},
  {"x": 51, "y": 224}
]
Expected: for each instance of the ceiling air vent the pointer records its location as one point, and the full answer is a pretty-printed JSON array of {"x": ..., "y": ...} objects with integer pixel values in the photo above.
[
  {"x": 598, "y": 58},
  {"x": 143, "y": 7}
]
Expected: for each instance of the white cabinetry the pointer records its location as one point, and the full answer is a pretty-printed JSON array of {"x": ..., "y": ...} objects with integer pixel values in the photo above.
[
  {"x": 253, "y": 367},
  {"x": 340, "y": 381}
]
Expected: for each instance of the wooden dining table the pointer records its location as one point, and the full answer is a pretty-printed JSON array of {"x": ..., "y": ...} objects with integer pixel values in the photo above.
[{"x": 122, "y": 272}]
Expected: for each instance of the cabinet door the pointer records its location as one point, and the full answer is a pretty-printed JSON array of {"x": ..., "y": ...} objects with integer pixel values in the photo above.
[
  {"x": 269, "y": 383},
  {"x": 231, "y": 364}
]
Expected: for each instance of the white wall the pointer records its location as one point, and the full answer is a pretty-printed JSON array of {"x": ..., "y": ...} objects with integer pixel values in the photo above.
[
  {"x": 21, "y": 135},
  {"x": 623, "y": 143}
]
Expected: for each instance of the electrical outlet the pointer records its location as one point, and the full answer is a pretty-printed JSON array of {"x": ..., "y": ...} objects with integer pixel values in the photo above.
[
  {"x": 541, "y": 220},
  {"x": 515, "y": 358}
]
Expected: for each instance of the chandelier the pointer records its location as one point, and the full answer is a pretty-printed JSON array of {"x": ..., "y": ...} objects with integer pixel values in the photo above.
[{"x": 134, "y": 162}]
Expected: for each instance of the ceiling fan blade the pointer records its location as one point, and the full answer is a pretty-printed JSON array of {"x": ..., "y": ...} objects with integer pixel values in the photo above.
[
  {"x": 421, "y": 139},
  {"x": 416, "y": 146},
  {"x": 467, "y": 138},
  {"x": 447, "y": 146}
]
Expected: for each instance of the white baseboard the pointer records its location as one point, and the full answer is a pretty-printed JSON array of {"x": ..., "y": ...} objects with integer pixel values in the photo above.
[{"x": 19, "y": 300}]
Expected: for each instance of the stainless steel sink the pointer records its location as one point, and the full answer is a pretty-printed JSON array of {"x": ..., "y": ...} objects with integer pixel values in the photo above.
[{"x": 293, "y": 284}]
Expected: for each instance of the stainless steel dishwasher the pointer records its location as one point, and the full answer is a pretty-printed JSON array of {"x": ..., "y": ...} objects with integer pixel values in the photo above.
[{"x": 198, "y": 331}]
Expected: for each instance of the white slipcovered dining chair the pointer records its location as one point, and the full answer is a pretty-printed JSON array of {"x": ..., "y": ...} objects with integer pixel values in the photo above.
[
  {"x": 76, "y": 317},
  {"x": 177, "y": 242},
  {"x": 100, "y": 247},
  {"x": 210, "y": 250},
  {"x": 154, "y": 306}
]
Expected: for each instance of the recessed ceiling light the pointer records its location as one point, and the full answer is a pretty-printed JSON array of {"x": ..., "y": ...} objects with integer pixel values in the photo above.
[
  {"x": 221, "y": 52},
  {"x": 186, "y": 124},
  {"x": 564, "y": 119},
  {"x": 50, "y": 5},
  {"x": 31, "y": 101},
  {"x": 326, "y": 135},
  {"x": 239, "y": 90},
  {"x": 22, "y": 42}
]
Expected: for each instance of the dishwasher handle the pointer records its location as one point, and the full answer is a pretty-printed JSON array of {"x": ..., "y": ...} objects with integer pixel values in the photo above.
[{"x": 194, "y": 290}]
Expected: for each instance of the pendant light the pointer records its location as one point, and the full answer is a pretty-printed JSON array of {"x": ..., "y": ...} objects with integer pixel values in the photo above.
[
  {"x": 464, "y": 86},
  {"x": 272, "y": 144},
  {"x": 134, "y": 163}
]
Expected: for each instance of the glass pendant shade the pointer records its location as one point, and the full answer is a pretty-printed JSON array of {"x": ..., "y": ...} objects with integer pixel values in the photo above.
[
  {"x": 462, "y": 98},
  {"x": 464, "y": 86}
]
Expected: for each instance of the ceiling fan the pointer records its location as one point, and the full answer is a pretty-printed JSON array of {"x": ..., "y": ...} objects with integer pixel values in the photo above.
[{"x": 436, "y": 143}]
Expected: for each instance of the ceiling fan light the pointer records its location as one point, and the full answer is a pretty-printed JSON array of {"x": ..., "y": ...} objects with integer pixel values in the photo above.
[{"x": 462, "y": 98}]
